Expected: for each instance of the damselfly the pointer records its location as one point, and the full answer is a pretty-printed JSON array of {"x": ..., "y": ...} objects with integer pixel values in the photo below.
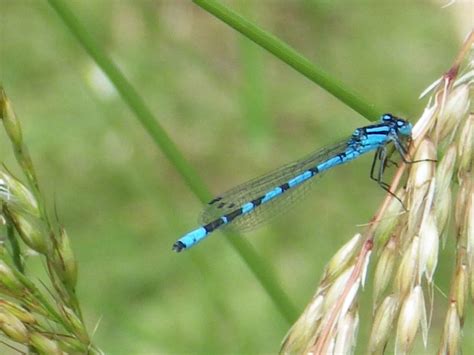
[{"x": 253, "y": 202}]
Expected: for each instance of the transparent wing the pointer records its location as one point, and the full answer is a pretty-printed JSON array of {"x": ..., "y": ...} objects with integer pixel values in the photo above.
[{"x": 246, "y": 192}]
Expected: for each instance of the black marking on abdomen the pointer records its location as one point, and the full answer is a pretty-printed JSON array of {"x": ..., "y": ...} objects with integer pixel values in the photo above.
[
  {"x": 342, "y": 156},
  {"x": 238, "y": 212},
  {"x": 233, "y": 214},
  {"x": 257, "y": 201},
  {"x": 213, "y": 225},
  {"x": 284, "y": 187},
  {"x": 314, "y": 170}
]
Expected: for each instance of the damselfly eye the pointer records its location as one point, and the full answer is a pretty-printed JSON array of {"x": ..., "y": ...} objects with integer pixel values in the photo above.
[
  {"x": 404, "y": 127},
  {"x": 386, "y": 117}
]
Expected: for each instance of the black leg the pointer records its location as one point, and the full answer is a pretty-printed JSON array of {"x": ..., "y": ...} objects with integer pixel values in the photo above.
[
  {"x": 391, "y": 162},
  {"x": 403, "y": 151},
  {"x": 374, "y": 163},
  {"x": 386, "y": 187},
  {"x": 381, "y": 156}
]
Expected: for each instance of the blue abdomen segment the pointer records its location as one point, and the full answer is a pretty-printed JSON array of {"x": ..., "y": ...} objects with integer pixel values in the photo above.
[
  {"x": 251, "y": 203},
  {"x": 190, "y": 239}
]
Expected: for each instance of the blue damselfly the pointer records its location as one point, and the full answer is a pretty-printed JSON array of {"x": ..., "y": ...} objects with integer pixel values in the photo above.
[{"x": 253, "y": 202}]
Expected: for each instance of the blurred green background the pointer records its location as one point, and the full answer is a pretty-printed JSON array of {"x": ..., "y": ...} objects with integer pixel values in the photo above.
[{"x": 235, "y": 112}]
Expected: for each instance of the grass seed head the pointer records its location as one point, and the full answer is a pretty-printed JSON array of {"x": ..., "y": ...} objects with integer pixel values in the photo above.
[
  {"x": 429, "y": 246},
  {"x": 442, "y": 211},
  {"x": 452, "y": 332},
  {"x": 65, "y": 262},
  {"x": 18, "y": 311},
  {"x": 409, "y": 320},
  {"x": 347, "y": 333},
  {"x": 303, "y": 332},
  {"x": 382, "y": 325},
  {"x": 390, "y": 220},
  {"x": 337, "y": 288},
  {"x": 384, "y": 269},
  {"x": 419, "y": 182},
  {"x": 462, "y": 201},
  {"x": 460, "y": 289},
  {"x": 343, "y": 257},
  {"x": 44, "y": 345},
  {"x": 8, "y": 281},
  {"x": 469, "y": 230},
  {"x": 13, "y": 327},
  {"x": 10, "y": 121},
  {"x": 407, "y": 271},
  {"x": 466, "y": 144},
  {"x": 16, "y": 195},
  {"x": 456, "y": 106},
  {"x": 31, "y": 230},
  {"x": 422, "y": 172},
  {"x": 445, "y": 170},
  {"x": 76, "y": 323}
]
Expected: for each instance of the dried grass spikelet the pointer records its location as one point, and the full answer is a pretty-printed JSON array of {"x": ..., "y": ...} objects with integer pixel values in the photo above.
[
  {"x": 383, "y": 322},
  {"x": 407, "y": 242}
]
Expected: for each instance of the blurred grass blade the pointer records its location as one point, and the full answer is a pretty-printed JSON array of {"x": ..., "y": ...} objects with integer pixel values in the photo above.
[
  {"x": 252, "y": 91},
  {"x": 259, "y": 267},
  {"x": 291, "y": 57},
  {"x": 252, "y": 88}
]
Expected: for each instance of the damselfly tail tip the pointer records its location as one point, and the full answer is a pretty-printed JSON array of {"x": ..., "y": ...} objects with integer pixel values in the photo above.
[{"x": 178, "y": 246}]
